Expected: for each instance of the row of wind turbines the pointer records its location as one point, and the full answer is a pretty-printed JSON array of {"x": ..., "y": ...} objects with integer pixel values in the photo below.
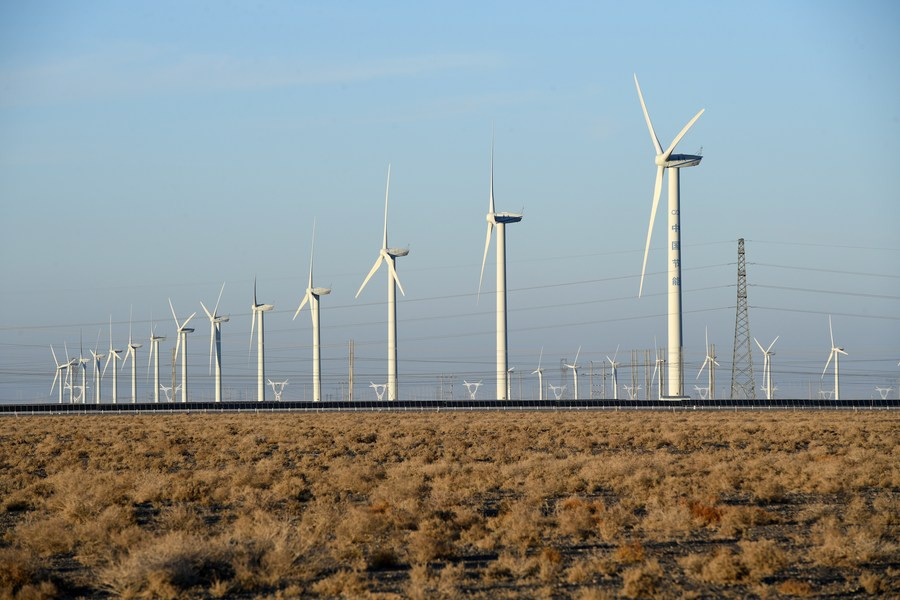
[{"x": 667, "y": 162}]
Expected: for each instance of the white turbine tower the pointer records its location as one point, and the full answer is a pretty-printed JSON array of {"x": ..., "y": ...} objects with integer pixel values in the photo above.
[
  {"x": 181, "y": 345},
  {"x": 500, "y": 220},
  {"x": 82, "y": 362},
  {"x": 312, "y": 296},
  {"x": 835, "y": 352},
  {"x": 154, "y": 359},
  {"x": 389, "y": 256},
  {"x": 257, "y": 312},
  {"x": 574, "y": 367},
  {"x": 767, "y": 367},
  {"x": 132, "y": 348},
  {"x": 674, "y": 163},
  {"x": 710, "y": 361},
  {"x": 540, "y": 373},
  {"x": 113, "y": 355},
  {"x": 215, "y": 341},
  {"x": 615, "y": 373}
]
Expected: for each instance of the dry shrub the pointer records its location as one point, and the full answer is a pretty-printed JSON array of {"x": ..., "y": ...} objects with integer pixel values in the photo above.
[
  {"x": 519, "y": 525},
  {"x": 704, "y": 513},
  {"x": 739, "y": 520},
  {"x": 668, "y": 521},
  {"x": 431, "y": 540},
  {"x": 168, "y": 566},
  {"x": 574, "y": 517},
  {"x": 762, "y": 558},
  {"x": 643, "y": 581},
  {"x": 846, "y": 546},
  {"x": 46, "y": 536},
  {"x": 631, "y": 552},
  {"x": 725, "y": 567},
  {"x": 450, "y": 580},
  {"x": 342, "y": 584},
  {"x": 872, "y": 583},
  {"x": 18, "y": 568},
  {"x": 795, "y": 587},
  {"x": 767, "y": 491},
  {"x": 584, "y": 570},
  {"x": 549, "y": 564},
  {"x": 594, "y": 594}
]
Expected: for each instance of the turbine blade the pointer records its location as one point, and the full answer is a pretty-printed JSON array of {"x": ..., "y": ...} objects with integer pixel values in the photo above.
[
  {"x": 657, "y": 188},
  {"x": 390, "y": 264},
  {"x": 617, "y": 353},
  {"x": 55, "y": 377},
  {"x": 189, "y": 319},
  {"x": 653, "y": 137},
  {"x": 487, "y": 245},
  {"x": 541, "y": 357},
  {"x": 178, "y": 345},
  {"x": 109, "y": 357},
  {"x": 255, "y": 303},
  {"x": 773, "y": 343},
  {"x": 705, "y": 362},
  {"x": 830, "y": 331},
  {"x": 371, "y": 272},
  {"x": 302, "y": 304},
  {"x": 760, "y": 345},
  {"x": 209, "y": 316},
  {"x": 387, "y": 190},
  {"x": 830, "y": 356},
  {"x": 491, "y": 208},
  {"x": 575, "y": 362},
  {"x": 54, "y": 356},
  {"x": 173, "y": 313},
  {"x": 312, "y": 251},
  {"x": 681, "y": 134},
  {"x": 252, "y": 328},
  {"x": 841, "y": 351},
  {"x": 216, "y": 309},
  {"x": 130, "y": 315}
]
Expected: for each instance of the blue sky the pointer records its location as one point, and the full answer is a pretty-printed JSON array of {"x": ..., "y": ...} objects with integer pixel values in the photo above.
[{"x": 154, "y": 150}]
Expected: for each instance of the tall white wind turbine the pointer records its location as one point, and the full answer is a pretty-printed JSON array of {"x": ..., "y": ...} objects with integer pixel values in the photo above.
[
  {"x": 666, "y": 160},
  {"x": 540, "y": 373},
  {"x": 574, "y": 367},
  {"x": 113, "y": 355},
  {"x": 312, "y": 296},
  {"x": 181, "y": 345},
  {"x": 389, "y": 256},
  {"x": 215, "y": 341},
  {"x": 500, "y": 220},
  {"x": 154, "y": 359},
  {"x": 257, "y": 312},
  {"x": 131, "y": 352},
  {"x": 710, "y": 361},
  {"x": 835, "y": 352},
  {"x": 615, "y": 373},
  {"x": 767, "y": 367}
]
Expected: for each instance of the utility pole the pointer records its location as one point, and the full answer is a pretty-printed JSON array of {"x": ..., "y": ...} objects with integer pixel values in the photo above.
[
  {"x": 743, "y": 386},
  {"x": 350, "y": 383}
]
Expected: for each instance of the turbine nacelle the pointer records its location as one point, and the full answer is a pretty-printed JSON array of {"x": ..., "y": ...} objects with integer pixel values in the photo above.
[
  {"x": 504, "y": 217},
  {"x": 396, "y": 252},
  {"x": 319, "y": 291},
  {"x": 678, "y": 161}
]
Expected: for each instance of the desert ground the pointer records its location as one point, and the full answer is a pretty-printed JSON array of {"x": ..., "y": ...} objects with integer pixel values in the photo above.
[{"x": 444, "y": 505}]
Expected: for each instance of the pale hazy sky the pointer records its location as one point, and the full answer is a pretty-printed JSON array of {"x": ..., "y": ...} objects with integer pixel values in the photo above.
[{"x": 155, "y": 149}]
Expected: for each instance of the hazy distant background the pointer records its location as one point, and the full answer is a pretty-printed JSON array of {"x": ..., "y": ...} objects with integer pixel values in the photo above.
[{"x": 155, "y": 149}]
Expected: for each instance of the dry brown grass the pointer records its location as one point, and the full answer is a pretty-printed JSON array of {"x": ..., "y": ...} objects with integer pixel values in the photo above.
[{"x": 500, "y": 505}]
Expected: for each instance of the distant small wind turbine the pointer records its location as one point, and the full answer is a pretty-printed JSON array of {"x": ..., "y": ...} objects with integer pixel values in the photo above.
[
  {"x": 113, "y": 355},
  {"x": 181, "y": 344},
  {"x": 540, "y": 373},
  {"x": 131, "y": 352},
  {"x": 710, "y": 361},
  {"x": 154, "y": 358},
  {"x": 312, "y": 296},
  {"x": 257, "y": 312},
  {"x": 767, "y": 367},
  {"x": 97, "y": 356},
  {"x": 835, "y": 354},
  {"x": 574, "y": 367},
  {"x": 615, "y": 373},
  {"x": 58, "y": 376},
  {"x": 215, "y": 341}
]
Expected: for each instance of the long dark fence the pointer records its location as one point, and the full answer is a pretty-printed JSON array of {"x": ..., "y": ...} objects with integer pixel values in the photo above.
[{"x": 446, "y": 405}]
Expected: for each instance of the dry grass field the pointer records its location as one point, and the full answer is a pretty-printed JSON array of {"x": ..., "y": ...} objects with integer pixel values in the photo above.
[{"x": 497, "y": 505}]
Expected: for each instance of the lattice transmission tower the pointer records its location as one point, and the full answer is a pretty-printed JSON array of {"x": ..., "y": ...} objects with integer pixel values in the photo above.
[{"x": 743, "y": 386}]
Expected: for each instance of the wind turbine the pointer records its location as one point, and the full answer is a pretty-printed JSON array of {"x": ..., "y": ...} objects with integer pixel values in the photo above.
[
  {"x": 181, "y": 344},
  {"x": 59, "y": 374},
  {"x": 389, "y": 256},
  {"x": 574, "y": 367},
  {"x": 257, "y": 312},
  {"x": 711, "y": 362},
  {"x": 215, "y": 340},
  {"x": 615, "y": 373},
  {"x": 113, "y": 355},
  {"x": 96, "y": 357},
  {"x": 500, "y": 220},
  {"x": 154, "y": 358},
  {"x": 540, "y": 373},
  {"x": 835, "y": 352},
  {"x": 767, "y": 367},
  {"x": 665, "y": 159},
  {"x": 82, "y": 362},
  {"x": 312, "y": 296},
  {"x": 132, "y": 347}
]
